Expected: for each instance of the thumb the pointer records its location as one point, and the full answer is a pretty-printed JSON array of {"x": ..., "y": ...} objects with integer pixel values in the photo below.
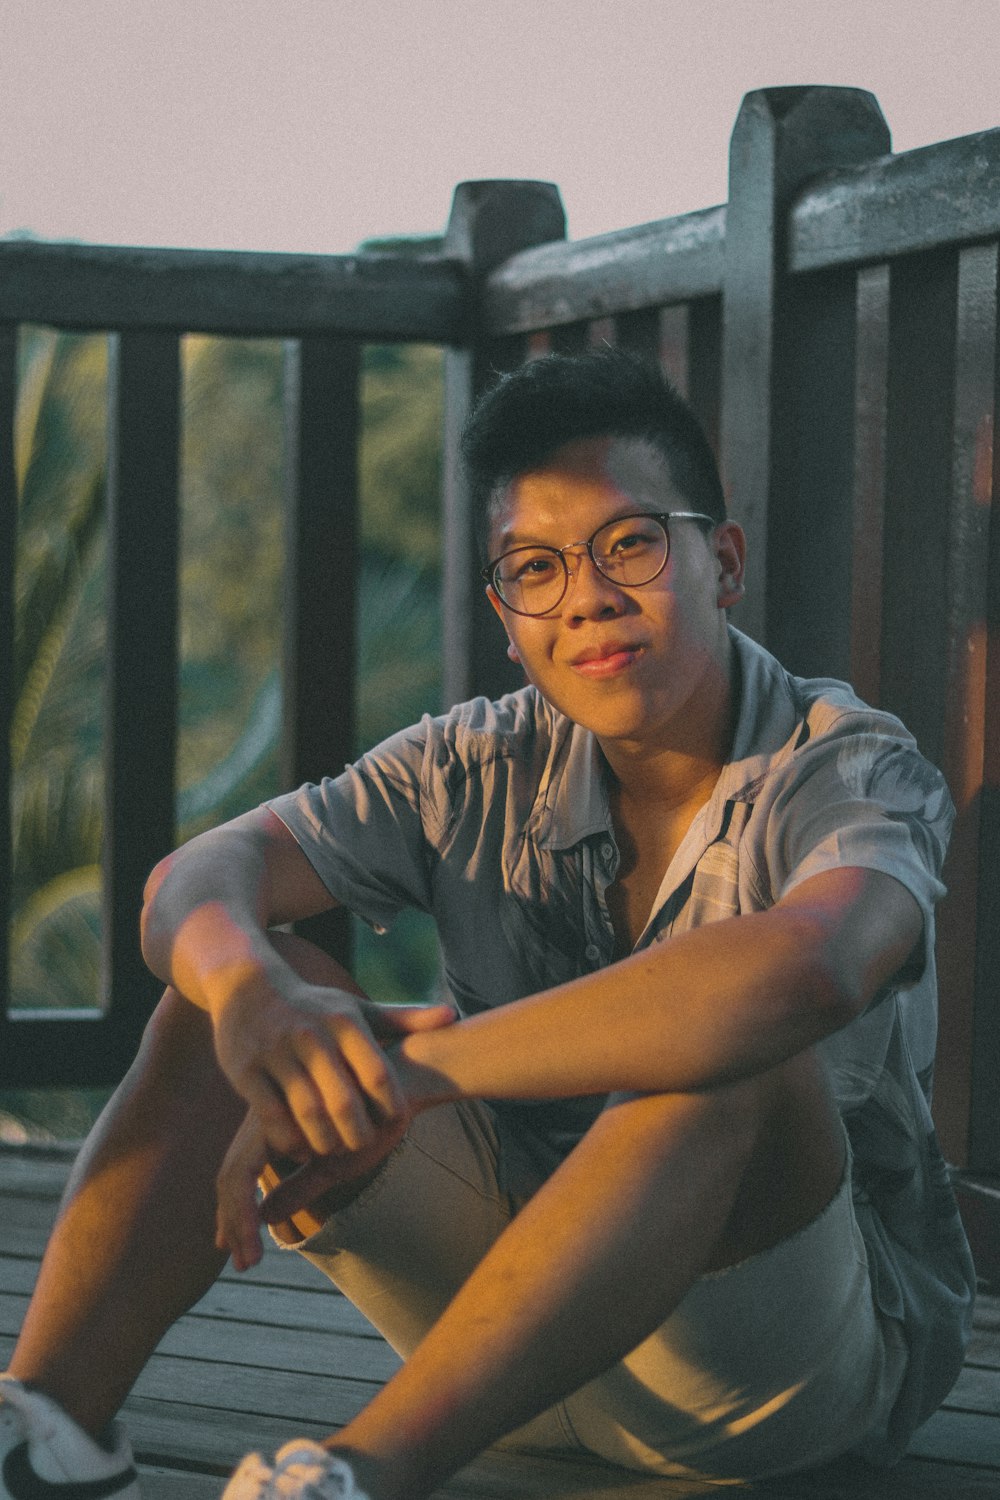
[{"x": 401, "y": 1020}]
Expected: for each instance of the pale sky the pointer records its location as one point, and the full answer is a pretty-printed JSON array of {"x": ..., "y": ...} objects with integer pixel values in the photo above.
[{"x": 308, "y": 125}]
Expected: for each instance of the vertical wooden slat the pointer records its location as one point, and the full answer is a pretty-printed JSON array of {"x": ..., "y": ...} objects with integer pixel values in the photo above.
[
  {"x": 600, "y": 333},
  {"x": 8, "y": 554},
  {"x": 322, "y": 557},
  {"x": 919, "y": 457},
  {"x": 920, "y": 412},
  {"x": 969, "y": 1047},
  {"x": 871, "y": 373},
  {"x": 984, "y": 1145},
  {"x": 675, "y": 347},
  {"x": 538, "y": 344},
  {"x": 809, "y": 541},
  {"x": 704, "y": 388},
  {"x": 509, "y": 352},
  {"x": 640, "y": 332},
  {"x": 782, "y": 138},
  {"x": 490, "y": 221},
  {"x": 570, "y": 338},
  {"x": 142, "y": 689}
]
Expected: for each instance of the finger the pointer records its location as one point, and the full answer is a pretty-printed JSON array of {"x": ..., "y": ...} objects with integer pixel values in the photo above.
[
  {"x": 308, "y": 1183},
  {"x": 273, "y": 1116},
  {"x": 375, "y": 1076},
  {"x": 355, "y": 1088},
  {"x": 323, "y": 1098},
  {"x": 237, "y": 1229},
  {"x": 237, "y": 1218},
  {"x": 287, "y": 1195},
  {"x": 401, "y": 1020}
]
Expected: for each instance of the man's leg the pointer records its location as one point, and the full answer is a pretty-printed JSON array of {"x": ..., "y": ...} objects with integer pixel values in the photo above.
[
  {"x": 133, "y": 1245},
  {"x": 668, "y": 1187}
]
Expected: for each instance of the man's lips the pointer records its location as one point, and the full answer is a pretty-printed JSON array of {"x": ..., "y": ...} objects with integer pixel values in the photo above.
[{"x": 607, "y": 659}]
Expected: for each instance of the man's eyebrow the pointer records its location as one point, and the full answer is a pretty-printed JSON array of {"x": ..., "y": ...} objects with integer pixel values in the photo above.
[{"x": 509, "y": 538}]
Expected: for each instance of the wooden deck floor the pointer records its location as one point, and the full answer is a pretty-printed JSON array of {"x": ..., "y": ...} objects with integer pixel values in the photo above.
[{"x": 279, "y": 1353}]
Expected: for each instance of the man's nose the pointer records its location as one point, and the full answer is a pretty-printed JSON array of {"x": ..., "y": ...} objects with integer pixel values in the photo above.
[{"x": 586, "y": 580}]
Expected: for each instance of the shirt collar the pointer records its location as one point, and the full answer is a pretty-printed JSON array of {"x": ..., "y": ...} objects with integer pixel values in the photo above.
[
  {"x": 572, "y": 802},
  {"x": 768, "y": 713}
]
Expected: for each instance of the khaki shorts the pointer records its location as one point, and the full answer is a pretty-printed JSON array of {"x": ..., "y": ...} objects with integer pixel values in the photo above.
[{"x": 778, "y": 1363}]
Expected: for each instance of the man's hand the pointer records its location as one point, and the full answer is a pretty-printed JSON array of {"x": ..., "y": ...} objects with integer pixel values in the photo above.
[
  {"x": 310, "y": 1061},
  {"x": 291, "y": 1184},
  {"x": 293, "y": 1034}
]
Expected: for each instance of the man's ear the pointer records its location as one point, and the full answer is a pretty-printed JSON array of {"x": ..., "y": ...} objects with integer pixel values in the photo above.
[
  {"x": 730, "y": 545},
  {"x": 494, "y": 599}
]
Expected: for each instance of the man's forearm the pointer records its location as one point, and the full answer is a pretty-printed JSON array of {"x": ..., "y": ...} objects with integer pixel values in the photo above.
[
  {"x": 700, "y": 1010},
  {"x": 705, "y": 1008}
]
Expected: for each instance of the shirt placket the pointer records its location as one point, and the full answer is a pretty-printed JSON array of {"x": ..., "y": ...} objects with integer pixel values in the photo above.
[{"x": 600, "y": 868}]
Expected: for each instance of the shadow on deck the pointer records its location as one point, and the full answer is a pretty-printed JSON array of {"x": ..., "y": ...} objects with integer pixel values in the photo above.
[{"x": 278, "y": 1353}]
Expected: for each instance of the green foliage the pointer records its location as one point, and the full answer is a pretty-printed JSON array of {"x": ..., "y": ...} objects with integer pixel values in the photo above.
[{"x": 231, "y": 570}]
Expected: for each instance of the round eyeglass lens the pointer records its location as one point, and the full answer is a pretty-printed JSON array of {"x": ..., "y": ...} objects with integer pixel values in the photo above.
[
  {"x": 631, "y": 550},
  {"x": 531, "y": 579}
]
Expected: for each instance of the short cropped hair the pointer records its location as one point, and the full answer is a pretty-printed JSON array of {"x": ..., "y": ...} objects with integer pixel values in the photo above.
[{"x": 546, "y": 403}]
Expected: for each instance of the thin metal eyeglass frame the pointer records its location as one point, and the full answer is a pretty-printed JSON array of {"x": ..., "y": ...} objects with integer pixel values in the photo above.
[{"x": 663, "y": 516}]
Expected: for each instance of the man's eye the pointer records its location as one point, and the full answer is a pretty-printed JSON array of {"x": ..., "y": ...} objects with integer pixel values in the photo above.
[
  {"x": 534, "y": 569},
  {"x": 631, "y": 541}
]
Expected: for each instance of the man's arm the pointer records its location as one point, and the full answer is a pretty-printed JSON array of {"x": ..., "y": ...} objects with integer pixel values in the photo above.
[
  {"x": 725, "y": 1001},
  {"x": 707, "y": 1007},
  {"x": 304, "y": 1055}
]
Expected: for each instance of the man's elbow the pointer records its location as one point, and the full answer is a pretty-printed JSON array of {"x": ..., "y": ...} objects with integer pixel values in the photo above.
[
  {"x": 150, "y": 927},
  {"x": 853, "y": 947}
]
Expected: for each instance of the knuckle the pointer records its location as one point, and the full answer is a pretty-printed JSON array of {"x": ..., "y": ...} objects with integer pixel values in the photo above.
[
  {"x": 381, "y": 1074},
  {"x": 309, "y": 1110}
]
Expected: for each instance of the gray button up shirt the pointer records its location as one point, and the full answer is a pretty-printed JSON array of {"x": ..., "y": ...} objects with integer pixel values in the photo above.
[{"x": 495, "y": 819}]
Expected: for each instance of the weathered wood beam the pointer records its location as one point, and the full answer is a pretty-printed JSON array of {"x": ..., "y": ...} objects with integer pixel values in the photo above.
[
  {"x": 670, "y": 260},
  {"x": 946, "y": 194},
  {"x": 372, "y": 296}
]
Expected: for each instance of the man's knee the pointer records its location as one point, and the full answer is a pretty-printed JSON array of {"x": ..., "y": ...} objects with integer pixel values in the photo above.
[
  {"x": 772, "y": 1144},
  {"x": 177, "y": 1042},
  {"x": 176, "y": 1078},
  {"x": 312, "y": 963}
]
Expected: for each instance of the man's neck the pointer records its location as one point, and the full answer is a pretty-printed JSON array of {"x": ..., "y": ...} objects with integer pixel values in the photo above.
[{"x": 680, "y": 770}]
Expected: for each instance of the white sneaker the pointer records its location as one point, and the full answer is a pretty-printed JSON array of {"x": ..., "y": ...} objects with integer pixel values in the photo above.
[
  {"x": 302, "y": 1470},
  {"x": 44, "y": 1454}
]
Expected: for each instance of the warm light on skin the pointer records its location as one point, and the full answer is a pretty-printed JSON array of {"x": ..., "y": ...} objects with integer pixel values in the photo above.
[
  {"x": 667, "y": 689},
  {"x": 210, "y": 928}
]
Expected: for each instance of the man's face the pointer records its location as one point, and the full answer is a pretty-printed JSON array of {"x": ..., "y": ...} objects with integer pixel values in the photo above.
[{"x": 646, "y": 665}]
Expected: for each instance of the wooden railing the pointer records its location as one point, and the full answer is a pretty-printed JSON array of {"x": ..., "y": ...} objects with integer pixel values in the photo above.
[{"x": 835, "y": 327}]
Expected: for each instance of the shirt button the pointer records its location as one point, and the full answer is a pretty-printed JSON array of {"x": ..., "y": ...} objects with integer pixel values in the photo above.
[
  {"x": 592, "y": 952},
  {"x": 607, "y": 851}
]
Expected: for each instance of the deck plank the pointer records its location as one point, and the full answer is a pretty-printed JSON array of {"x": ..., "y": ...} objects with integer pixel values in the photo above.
[{"x": 279, "y": 1352}]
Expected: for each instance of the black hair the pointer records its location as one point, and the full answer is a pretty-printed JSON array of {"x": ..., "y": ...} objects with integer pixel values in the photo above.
[{"x": 546, "y": 403}]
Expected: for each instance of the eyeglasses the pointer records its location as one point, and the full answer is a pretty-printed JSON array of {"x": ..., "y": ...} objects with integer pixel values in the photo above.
[{"x": 630, "y": 550}]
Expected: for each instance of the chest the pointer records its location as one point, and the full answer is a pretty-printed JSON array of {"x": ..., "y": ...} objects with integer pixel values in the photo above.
[{"x": 645, "y": 850}]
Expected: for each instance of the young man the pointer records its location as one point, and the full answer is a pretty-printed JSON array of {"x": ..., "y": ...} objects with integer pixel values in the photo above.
[{"x": 669, "y": 1184}]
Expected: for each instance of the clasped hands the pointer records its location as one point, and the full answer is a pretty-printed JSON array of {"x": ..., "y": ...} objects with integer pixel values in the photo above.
[{"x": 328, "y": 1097}]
